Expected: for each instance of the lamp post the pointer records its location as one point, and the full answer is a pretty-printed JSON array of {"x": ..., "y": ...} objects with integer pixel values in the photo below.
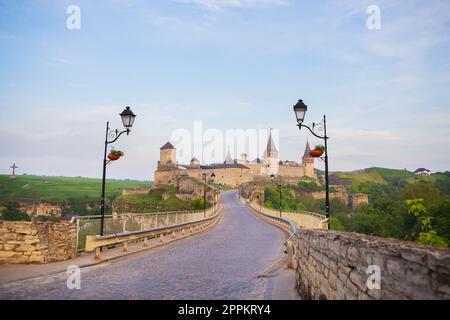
[
  {"x": 204, "y": 194},
  {"x": 213, "y": 178},
  {"x": 300, "y": 110},
  {"x": 112, "y": 136},
  {"x": 279, "y": 188}
]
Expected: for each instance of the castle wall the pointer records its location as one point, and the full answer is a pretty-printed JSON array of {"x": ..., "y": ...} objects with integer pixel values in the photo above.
[
  {"x": 359, "y": 199},
  {"x": 307, "y": 168},
  {"x": 163, "y": 177},
  {"x": 232, "y": 177},
  {"x": 290, "y": 171}
]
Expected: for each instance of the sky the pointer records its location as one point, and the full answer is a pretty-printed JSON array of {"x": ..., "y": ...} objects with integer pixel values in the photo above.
[{"x": 231, "y": 64}]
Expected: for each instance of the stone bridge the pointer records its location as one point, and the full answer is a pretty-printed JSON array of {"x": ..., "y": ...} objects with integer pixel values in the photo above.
[{"x": 242, "y": 257}]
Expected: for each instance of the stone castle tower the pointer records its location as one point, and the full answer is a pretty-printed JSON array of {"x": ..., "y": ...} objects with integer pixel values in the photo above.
[
  {"x": 271, "y": 158},
  {"x": 168, "y": 156},
  {"x": 307, "y": 166}
]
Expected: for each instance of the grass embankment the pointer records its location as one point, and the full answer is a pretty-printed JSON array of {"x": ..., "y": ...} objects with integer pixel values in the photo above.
[
  {"x": 61, "y": 189},
  {"x": 157, "y": 200}
]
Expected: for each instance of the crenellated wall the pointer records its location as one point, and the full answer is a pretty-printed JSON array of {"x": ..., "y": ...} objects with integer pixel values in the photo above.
[{"x": 334, "y": 265}]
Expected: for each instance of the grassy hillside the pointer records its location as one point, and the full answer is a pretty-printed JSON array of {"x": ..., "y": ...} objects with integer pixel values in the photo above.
[
  {"x": 375, "y": 175},
  {"x": 155, "y": 202},
  {"x": 61, "y": 189}
]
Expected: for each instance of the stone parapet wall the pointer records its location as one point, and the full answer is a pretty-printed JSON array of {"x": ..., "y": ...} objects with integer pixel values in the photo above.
[
  {"x": 301, "y": 219},
  {"x": 335, "y": 265},
  {"x": 36, "y": 242}
]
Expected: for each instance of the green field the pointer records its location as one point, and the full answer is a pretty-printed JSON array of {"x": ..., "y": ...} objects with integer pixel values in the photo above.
[
  {"x": 375, "y": 175},
  {"x": 61, "y": 189}
]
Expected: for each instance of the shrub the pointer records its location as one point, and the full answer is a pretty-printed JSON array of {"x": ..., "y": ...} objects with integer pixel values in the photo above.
[{"x": 12, "y": 213}]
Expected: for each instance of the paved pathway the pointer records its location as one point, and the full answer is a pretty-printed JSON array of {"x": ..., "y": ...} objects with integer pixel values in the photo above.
[{"x": 223, "y": 263}]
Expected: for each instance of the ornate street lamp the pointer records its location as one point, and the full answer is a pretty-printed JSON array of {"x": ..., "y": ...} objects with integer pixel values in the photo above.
[
  {"x": 300, "y": 110},
  {"x": 127, "y": 118},
  {"x": 112, "y": 136}
]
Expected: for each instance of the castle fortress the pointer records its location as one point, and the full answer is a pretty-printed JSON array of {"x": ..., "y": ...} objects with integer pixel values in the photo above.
[{"x": 231, "y": 172}]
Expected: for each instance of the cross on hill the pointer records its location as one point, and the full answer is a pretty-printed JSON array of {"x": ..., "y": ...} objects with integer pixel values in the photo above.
[{"x": 14, "y": 167}]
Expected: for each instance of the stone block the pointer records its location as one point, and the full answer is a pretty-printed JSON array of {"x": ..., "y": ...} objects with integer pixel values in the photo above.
[
  {"x": 359, "y": 279},
  {"x": 396, "y": 267},
  {"x": 418, "y": 276}
]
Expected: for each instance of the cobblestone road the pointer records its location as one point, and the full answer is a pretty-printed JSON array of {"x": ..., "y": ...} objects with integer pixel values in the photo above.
[{"x": 223, "y": 263}]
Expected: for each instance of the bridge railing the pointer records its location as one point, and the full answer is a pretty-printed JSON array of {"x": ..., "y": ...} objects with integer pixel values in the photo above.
[
  {"x": 302, "y": 219},
  {"x": 95, "y": 243},
  {"x": 129, "y": 222},
  {"x": 285, "y": 224}
]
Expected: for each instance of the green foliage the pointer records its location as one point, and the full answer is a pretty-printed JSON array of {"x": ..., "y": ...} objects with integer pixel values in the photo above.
[
  {"x": 308, "y": 186},
  {"x": 387, "y": 214},
  {"x": 12, "y": 212},
  {"x": 427, "y": 235},
  {"x": 288, "y": 200},
  {"x": 116, "y": 152},
  {"x": 198, "y": 204},
  {"x": 154, "y": 201},
  {"x": 319, "y": 147}
]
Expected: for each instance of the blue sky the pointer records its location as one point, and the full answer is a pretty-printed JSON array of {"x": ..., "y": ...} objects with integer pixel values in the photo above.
[{"x": 230, "y": 64}]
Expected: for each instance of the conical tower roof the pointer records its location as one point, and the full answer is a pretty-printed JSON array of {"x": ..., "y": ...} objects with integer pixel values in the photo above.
[
  {"x": 307, "y": 150},
  {"x": 228, "y": 159},
  {"x": 168, "y": 145},
  {"x": 271, "y": 148}
]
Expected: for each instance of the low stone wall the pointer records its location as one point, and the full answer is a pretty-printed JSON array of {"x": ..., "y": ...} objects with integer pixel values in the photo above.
[
  {"x": 36, "y": 242},
  {"x": 335, "y": 265},
  {"x": 301, "y": 219},
  {"x": 140, "y": 191}
]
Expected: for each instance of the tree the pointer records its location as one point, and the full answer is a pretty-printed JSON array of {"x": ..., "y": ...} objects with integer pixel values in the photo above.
[
  {"x": 12, "y": 213},
  {"x": 427, "y": 235}
]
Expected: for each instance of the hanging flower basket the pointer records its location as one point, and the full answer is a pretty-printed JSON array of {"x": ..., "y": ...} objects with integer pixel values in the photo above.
[
  {"x": 317, "y": 152},
  {"x": 115, "y": 155}
]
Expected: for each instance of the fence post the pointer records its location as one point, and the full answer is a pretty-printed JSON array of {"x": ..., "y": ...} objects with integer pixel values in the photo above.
[
  {"x": 78, "y": 231},
  {"x": 125, "y": 246},
  {"x": 97, "y": 253},
  {"x": 290, "y": 251}
]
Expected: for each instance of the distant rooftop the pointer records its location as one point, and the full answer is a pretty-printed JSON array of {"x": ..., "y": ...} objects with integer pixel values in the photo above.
[{"x": 168, "y": 145}]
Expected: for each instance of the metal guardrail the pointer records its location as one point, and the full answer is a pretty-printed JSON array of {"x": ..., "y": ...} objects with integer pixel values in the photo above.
[
  {"x": 95, "y": 243},
  {"x": 129, "y": 222}
]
